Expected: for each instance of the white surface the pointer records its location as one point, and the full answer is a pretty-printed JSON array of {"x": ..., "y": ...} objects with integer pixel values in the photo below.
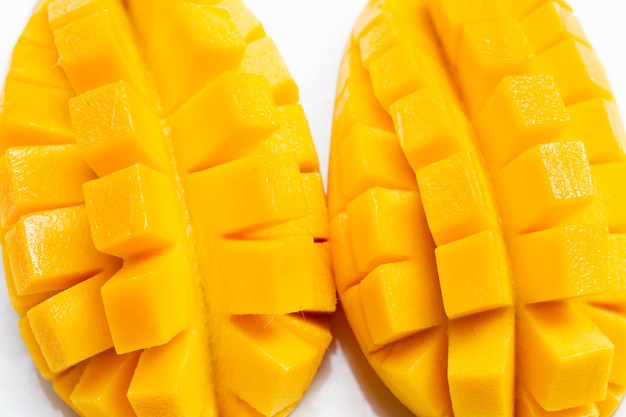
[{"x": 311, "y": 36}]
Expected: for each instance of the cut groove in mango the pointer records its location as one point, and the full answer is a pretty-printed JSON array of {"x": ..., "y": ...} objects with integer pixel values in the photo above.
[
  {"x": 477, "y": 212},
  {"x": 164, "y": 224}
]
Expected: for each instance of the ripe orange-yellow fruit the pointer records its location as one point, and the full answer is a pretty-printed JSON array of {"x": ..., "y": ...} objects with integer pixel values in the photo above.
[
  {"x": 163, "y": 215},
  {"x": 477, "y": 203}
]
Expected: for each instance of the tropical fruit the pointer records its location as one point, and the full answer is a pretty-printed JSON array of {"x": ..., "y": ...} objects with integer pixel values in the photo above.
[
  {"x": 163, "y": 216},
  {"x": 477, "y": 197}
]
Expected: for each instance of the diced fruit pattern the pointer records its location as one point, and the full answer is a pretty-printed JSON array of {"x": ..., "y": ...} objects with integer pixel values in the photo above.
[
  {"x": 164, "y": 224},
  {"x": 477, "y": 208}
]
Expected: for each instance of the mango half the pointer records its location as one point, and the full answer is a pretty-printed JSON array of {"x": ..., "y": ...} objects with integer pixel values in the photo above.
[
  {"x": 164, "y": 224},
  {"x": 477, "y": 198}
]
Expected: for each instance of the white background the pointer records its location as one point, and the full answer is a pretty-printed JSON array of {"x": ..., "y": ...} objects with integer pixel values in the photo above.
[{"x": 311, "y": 35}]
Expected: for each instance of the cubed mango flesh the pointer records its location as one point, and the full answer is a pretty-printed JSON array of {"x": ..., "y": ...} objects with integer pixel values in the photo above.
[
  {"x": 478, "y": 240},
  {"x": 164, "y": 222}
]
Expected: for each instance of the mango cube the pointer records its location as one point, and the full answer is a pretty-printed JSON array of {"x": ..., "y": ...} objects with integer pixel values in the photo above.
[
  {"x": 481, "y": 363},
  {"x": 371, "y": 158},
  {"x": 546, "y": 184},
  {"x": 522, "y": 112},
  {"x": 36, "y": 178},
  {"x": 147, "y": 301},
  {"x": 40, "y": 262},
  {"x": 416, "y": 366},
  {"x": 212, "y": 42},
  {"x": 488, "y": 51},
  {"x": 403, "y": 299},
  {"x": 576, "y": 69},
  {"x": 143, "y": 216},
  {"x": 34, "y": 115},
  {"x": 597, "y": 124},
  {"x": 115, "y": 128},
  {"x": 456, "y": 198},
  {"x": 427, "y": 127},
  {"x": 474, "y": 274},
  {"x": 313, "y": 223},
  {"x": 88, "y": 53},
  {"x": 235, "y": 120},
  {"x": 559, "y": 348},
  {"x": 273, "y": 350},
  {"x": 224, "y": 194},
  {"x": 395, "y": 74},
  {"x": 172, "y": 379},
  {"x": 103, "y": 385},
  {"x": 563, "y": 262},
  {"x": 277, "y": 277},
  {"x": 72, "y": 326},
  {"x": 550, "y": 24},
  {"x": 387, "y": 226}
]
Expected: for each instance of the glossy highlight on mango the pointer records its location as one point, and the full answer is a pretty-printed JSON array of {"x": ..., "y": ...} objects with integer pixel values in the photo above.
[
  {"x": 477, "y": 204},
  {"x": 164, "y": 226}
]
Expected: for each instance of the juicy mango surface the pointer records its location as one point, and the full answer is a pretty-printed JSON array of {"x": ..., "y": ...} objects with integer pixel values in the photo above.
[
  {"x": 164, "y": 225},
  {"x": 477, "y": 204}
]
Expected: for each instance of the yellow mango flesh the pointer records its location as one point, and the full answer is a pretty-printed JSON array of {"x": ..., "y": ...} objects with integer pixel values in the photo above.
[
  {"x": 477, "y": 206},
  {"x": 164, "y": 224}
]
